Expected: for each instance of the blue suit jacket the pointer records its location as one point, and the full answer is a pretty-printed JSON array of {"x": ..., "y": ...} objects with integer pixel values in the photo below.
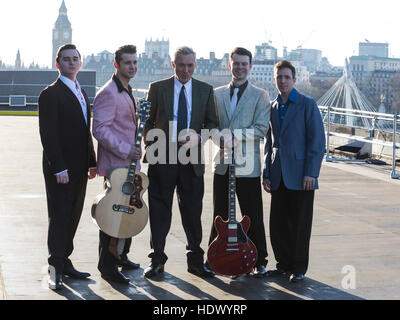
[{"x": 296, "y": 149}]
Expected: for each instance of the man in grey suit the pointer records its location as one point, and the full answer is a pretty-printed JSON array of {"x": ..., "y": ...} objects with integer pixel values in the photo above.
[
  {"x": 244, "y": 110},
  {"x": 293, "y": 156}
]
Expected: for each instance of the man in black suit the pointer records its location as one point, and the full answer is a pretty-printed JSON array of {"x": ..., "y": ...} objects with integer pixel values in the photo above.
[
  {"x": 68, "y": 160},
  {"x": 178, "y": 104}
]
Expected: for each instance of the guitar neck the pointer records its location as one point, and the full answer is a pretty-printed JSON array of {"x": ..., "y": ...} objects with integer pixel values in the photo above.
[
  {"x": 138, "y": 140},
  {"x": 232, "y": 191}
]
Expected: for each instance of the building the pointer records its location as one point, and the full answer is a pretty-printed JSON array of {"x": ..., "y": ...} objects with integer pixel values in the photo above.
[
  {"x": 18, "y": 63},
  {"x": 62, "y": 32},
  {"x": 373, "y": 49},
  {"x": 311, "y": 58},
  {"x": 374, "y": 76},
  {"x": 157, "y": 48},
  {"x": 265, "y": 52}
]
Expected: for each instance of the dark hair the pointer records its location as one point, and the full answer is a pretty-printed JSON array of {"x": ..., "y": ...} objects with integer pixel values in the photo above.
[
  {"x": 129, "y": 48},
  {"x": 285, "y": 64},
  {"x": 242, "y": 52},
  {"x": 65, "y": 47}
]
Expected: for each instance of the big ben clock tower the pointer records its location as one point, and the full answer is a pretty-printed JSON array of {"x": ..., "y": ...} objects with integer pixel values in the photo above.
[{"x": 62, "y": 32}]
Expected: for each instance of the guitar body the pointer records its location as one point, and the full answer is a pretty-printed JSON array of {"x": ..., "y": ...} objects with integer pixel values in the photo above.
[
  {"x": 120, "y": 215},
  {"x": 232, "y": 253}
]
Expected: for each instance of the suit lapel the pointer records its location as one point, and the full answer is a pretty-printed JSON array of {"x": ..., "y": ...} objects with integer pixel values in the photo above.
[
  {"x": 275, "y": 117},
  {"x": 227, "y": 101},
  {"x": 73, "y": 99},
  {"x": 88, "y": 109},
  {"x": 168, "y": 96},
  {"x": 290, "y": 113},
  {"x": 243, "y": 100},
  {"x": 196, "y": 95},
  {"x": 131, "y": 105}
]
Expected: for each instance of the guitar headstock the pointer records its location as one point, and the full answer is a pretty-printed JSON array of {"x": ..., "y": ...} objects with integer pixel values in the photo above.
[{"x": 143, "y": 110}]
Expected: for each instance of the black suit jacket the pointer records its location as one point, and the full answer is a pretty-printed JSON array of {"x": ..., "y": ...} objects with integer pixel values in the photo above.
[
  {"x": 66, "y": 138},
  {"x": 161, "y": 96}
]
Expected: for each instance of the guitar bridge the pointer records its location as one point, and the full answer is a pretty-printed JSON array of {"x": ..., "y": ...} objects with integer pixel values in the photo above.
[{"x": 123, "y": 209}]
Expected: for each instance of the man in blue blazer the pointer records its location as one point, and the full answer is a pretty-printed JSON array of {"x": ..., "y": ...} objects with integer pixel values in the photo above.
[{"x": 293, "y": 155}]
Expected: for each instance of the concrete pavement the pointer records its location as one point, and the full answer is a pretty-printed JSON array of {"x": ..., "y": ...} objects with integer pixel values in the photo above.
[{"x": 354, "y": 247}]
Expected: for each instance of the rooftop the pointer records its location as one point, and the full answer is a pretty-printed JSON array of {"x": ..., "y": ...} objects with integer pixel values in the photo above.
[{"x": 356, "y": 230}]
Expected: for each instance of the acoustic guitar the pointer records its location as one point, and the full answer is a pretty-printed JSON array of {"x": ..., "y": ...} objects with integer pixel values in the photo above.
[
  {"x": 120, "y": 210},
  {"x": 232, "y": 253}
]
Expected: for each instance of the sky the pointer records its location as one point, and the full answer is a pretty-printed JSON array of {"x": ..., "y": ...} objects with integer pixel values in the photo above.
[{"x": 334, "y": 27}]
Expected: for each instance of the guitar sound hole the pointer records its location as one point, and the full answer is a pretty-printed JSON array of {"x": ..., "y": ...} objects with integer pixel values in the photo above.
[{"x": 128, "y": 188}]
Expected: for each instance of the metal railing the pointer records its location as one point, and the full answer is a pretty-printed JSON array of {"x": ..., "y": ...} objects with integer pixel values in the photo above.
[{"x": 374, "y": 118}]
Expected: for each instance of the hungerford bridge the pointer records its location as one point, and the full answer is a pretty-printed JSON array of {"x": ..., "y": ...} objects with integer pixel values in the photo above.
[{"x": 344, "y": 106}]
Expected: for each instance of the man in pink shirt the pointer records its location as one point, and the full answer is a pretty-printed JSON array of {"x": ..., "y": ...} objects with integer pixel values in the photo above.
[{"x": 114, "y": 127}]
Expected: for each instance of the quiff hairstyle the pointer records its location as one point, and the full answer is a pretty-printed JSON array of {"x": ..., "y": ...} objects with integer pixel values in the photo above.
[
  {"x": 129, "y": 48},
  {"x": 65, "y": 47}
]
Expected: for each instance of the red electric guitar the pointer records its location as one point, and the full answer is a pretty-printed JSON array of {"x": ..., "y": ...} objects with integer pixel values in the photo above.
[{"x": 232, "y": 253}]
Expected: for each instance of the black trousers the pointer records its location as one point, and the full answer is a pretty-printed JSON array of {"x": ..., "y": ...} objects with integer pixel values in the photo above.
[
  {"x": 290, "y": 228},
  {"x": 64, "y": 204},
  {"x": 108, "y": 263},
  {"x": 163, "y": 179},
  {"x": 248, "y": 191}
]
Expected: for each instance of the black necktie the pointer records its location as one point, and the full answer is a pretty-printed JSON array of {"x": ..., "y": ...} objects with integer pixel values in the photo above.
[{"x": 182, "y": 112}]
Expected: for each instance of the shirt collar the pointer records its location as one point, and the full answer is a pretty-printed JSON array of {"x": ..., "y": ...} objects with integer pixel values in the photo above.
[
  {"x": 119, "y": 84},
  {"x": 241, "y": 88},
  {"x": 292, "y": 97},
  {"x": 178, "y": 84},
  {"x": 69, "y": 83}
]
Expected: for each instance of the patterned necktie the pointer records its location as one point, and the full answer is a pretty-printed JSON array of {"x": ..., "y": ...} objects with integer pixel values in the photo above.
[
  {"x": 182, "y": 111},
  {"x": 81, "y": 100},
  {"x": 234, "y": 100}
]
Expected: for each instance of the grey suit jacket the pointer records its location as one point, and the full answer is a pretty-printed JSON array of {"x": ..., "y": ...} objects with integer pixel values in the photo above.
[
  {"x": 250, "y": 119},
  {"x": 296, "y": 150}
]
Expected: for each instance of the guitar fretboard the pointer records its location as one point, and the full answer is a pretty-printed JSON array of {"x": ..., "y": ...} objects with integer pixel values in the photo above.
[
  {"x": 232, "y": 191},
  {"x": 138, "y": 139}
]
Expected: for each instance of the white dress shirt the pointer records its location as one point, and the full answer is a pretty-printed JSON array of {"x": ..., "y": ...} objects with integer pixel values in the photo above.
[{"x": 188, "y": 94}]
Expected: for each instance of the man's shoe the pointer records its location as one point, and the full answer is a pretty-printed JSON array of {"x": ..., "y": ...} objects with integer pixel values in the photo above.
[
  {"x": 127, "y": 264},
  {"x": 260, "y": 271},
  {"x": 115, "y": 277},
  {"x": 153, "y": 270},
  {"x": 296, "y": 277},
  {"x": 71, "y": 272},
  {"x": 55, "y": 280},
  {"x": 201, "y": 271}
]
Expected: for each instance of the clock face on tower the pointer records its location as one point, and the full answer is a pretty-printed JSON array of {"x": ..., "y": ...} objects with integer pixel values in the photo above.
[{"x": 66, "y": 34}]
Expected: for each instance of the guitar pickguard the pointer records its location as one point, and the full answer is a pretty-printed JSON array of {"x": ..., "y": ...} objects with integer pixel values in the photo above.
[{"x": 135, "y": 199}]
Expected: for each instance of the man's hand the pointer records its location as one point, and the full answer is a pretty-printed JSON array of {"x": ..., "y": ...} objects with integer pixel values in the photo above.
[
  {"x": 62, "y": 178},
  {"x": 267, "y": 185},
  {"x": 92, "y": 173},
  {"x": 308, "y": 183},
  {"x": 135, "y": 153},
  {"x": 189, "y": 140}
]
